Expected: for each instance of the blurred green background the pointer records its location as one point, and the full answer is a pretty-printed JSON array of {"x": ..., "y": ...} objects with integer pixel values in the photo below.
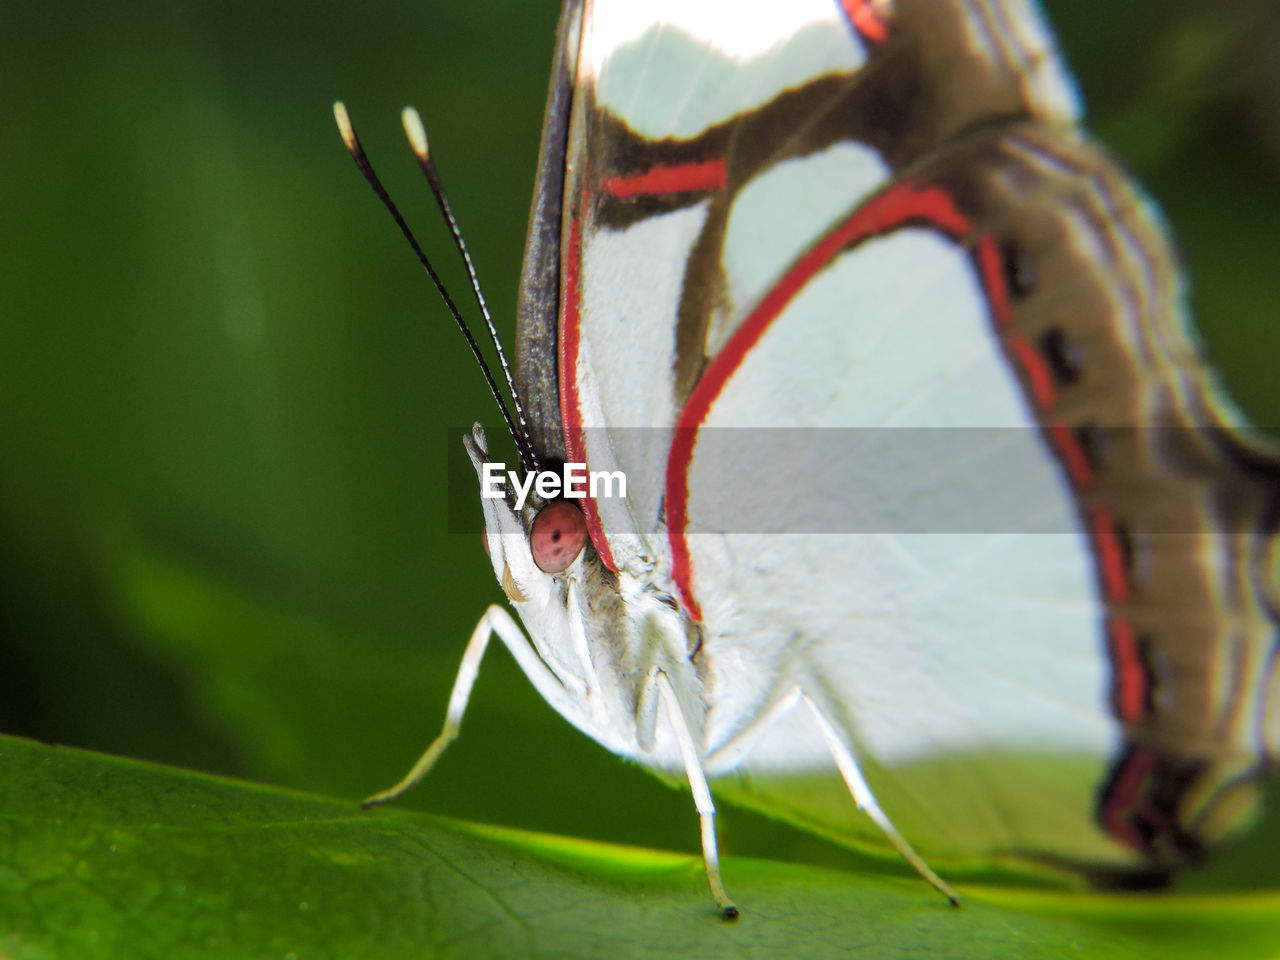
[{"x": 226, "y": 391}]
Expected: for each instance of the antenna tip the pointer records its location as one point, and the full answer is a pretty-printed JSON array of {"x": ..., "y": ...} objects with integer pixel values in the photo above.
[
  {"x": 415, "y": 131},
  {"x": 344, "y": 124}
]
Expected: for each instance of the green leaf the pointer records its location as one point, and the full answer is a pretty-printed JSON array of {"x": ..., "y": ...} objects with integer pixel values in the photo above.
[{"x": 107, "y": 857}]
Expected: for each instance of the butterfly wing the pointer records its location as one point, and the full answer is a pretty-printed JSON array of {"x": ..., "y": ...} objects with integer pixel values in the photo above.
[
  {"x": 1022, "y": 603},
  {"x": 860, "y": 246}
]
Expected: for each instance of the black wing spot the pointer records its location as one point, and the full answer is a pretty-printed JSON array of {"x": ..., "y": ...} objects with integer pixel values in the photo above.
[
  {"x": 1093, "y": 443},
  {"x": 1019, "y": 271},
  {"x": 1063, "y": 356}
]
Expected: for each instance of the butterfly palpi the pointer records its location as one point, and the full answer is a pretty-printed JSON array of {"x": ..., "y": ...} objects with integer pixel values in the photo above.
[{"x": 937, "y": 529}]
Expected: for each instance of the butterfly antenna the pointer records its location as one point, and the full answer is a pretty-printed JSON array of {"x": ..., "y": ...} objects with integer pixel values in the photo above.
[
  {"x": 417, "y": 135},
  {"x": 366, "y": 169}
]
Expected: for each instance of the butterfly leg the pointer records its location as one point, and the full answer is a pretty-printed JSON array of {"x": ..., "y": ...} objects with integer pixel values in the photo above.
[
  {"x": 657, "y": 683},
  {"x": 729, "y": 755},
  {"x": 867, "y": 803},
  {"x": 495, "y": 622}
]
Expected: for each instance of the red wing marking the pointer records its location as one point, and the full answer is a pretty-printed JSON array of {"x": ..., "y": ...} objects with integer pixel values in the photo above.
[
  {"x": 663, "y": 179},
  {"x": 992, "y": 271},
  {"x": 678, "y": 461},
  {"x": 896, "y": 207},
  {"x": 1038, "y": 376},
  {"x": 1123, "y": 804},
  {"x": 570, "y": 409},
  {"x": 869, "y": 24},
  {"x": 1037, "y": 372},
  {"x": 1130, "y": 671},
  {"x": 1111, "y": 559},
  {"x": 1072, "y": 454}
]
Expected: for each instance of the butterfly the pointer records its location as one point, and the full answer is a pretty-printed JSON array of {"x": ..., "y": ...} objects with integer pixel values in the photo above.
[{"x": 938, "y": 531}]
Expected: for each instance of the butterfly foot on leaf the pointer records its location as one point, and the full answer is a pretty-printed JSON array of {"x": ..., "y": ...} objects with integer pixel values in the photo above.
[
  {"x": 378, "y": 799},
  {"x": 729, "y": 914}
]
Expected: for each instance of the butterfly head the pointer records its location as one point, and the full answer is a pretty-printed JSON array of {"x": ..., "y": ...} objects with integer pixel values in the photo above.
[{"x": 534, "y": 548}]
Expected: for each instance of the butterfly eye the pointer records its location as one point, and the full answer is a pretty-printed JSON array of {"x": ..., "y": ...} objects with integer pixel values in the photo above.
[{"x": 558, "y": 536}]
